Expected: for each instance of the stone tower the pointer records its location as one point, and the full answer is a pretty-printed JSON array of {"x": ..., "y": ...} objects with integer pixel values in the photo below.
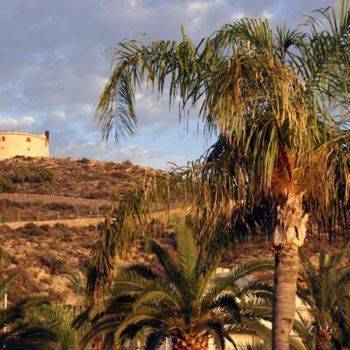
[{"x": 17, "y": 143}]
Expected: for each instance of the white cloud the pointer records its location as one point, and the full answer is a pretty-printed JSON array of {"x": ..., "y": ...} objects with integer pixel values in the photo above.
[
  {"x": 267, "y": 14},
  {"x": 237, "y": 15},
  {"x": 58, "y": 115},
  {"x": 9, "y": 123},
  {"x": 55, "y": 63},
  {"x": 197, "y": 6}
]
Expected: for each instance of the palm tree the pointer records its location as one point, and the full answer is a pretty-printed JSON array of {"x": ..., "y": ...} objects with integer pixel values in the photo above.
[
  {"x": 280, "y": 102},
  {"x": 59, "y": 319},
  {"x": 184, "y": 301},
  {"x": 324, "y": 288},
  {"x": 18, "y": 333}
]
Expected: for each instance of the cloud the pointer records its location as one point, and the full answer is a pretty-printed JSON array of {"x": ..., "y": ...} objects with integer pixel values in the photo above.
[
  {"x": 8, "y": 123},
  {"x": 268, "y": 15},
  {"x": 55, "y": 61}
]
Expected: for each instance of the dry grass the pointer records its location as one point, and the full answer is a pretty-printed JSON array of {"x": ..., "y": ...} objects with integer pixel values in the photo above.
[
  {"x": 80, "y": 178},
  {"x": 43, "y": 255},
  {"x": 79, "y": 188}
]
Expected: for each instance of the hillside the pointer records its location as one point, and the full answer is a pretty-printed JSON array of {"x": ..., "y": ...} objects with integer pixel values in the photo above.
[
  {"x": 59, "y": 189},
  {"x": 78, "y": 178},
  {"x": 62, "y": 188},
  {"x": 39, "y": 189}
]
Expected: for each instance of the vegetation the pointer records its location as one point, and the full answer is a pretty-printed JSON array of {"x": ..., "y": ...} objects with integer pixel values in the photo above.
[
  {"x": 71, "y": 177},
  {"x": 185, "y": 301},
  {"x": 25, "y": 174},
  {"x": 5, "y": 184},
  {"x": 279, "y": 100},
  {"x": 324, "y": 288},
  {"x": 22, "y": 174},
  {"x": 59, "y": 318},
  {"x": 44, "y": 175},
  {"x": 17, "y": 332}
]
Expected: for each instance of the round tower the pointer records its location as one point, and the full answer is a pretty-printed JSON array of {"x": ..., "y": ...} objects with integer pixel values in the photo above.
[{"x": 17, "y": 143}]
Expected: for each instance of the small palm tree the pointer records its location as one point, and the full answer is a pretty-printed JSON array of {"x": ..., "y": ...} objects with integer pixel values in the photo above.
[
  {"x": 18, "y": 333},
  {"x": 324, "y": 288},
  {"x": 184, "y": 302},
  {"x": 16, "y": 330},
  {"x": 59, "y": 319}
]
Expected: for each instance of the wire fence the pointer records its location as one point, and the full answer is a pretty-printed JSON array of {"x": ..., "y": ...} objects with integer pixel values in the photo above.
[{"x": 11, "y": 216}]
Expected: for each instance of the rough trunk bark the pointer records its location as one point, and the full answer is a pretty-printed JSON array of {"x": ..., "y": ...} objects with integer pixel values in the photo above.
[
  {"x": 191, "y": 342},
  {"x": 288, "y": 237}
]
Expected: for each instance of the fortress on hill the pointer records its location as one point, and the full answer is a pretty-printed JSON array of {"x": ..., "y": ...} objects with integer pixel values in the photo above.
[{"x": 17, "y": 143}]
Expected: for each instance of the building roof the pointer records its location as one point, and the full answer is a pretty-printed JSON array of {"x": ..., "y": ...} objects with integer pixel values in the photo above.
[{"x": 23, "y": 133}]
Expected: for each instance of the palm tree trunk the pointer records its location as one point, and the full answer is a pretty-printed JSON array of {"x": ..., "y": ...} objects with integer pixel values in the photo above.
[
  {"x": 288, "y": 237},
  {"x": 191, "y": 342}
]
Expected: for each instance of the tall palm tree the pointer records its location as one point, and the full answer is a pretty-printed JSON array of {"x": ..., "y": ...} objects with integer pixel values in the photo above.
[
  {"x": 280, "y": 102},
  {"x": 324, "y": 286},
  {"x": 183, "y": 301}
]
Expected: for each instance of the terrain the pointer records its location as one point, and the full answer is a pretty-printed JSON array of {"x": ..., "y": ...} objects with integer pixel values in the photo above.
[
  {"x": 68, "y": 194},
  {"x": 46, "y": 210}
]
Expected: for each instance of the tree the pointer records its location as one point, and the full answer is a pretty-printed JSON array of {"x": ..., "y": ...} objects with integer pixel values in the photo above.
[
  {"x": 183, "y": 301},
  {"x": 17, "y": 332},
  {"x": 324, "y": 288},
  {"x": 279, "y": 101},
  {"x": 59, "y": 319}
]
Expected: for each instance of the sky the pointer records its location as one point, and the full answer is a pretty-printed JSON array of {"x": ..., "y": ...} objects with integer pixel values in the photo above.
[{"x": 55, "y": 60}]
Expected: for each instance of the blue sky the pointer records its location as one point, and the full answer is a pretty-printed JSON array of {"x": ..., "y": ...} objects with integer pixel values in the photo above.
[{"x": 55, "y": 60}]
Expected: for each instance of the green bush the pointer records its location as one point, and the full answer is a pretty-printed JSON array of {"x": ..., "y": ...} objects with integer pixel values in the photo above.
[
  {"x": 25, "y": 174},
  {"x": 5, "y": 184},
  {"x": 22, "y": 174},
  {"x": 45, "y": 175},
  {"x": 45, "y": 228},
  {"x": 60, "y": 226}
]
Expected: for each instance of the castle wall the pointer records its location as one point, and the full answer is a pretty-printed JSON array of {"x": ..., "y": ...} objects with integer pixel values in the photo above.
[{"x": 23, "y": 144}]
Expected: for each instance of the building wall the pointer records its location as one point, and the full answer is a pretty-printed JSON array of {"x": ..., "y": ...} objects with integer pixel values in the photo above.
[{"x": 23, "y": 144}]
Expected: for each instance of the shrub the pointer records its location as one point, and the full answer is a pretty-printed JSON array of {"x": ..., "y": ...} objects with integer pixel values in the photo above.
[
  {"x": 55, "y": 264},
  {"x": 43, "y": 175},
  {"x": 5, "y": 184},
  {"x": 30, "y": 226},
  {"x": 59, "y": 206},
  {"x": 25, "y": 174},
  {"x": 45, "y": 228},
  {"x": 31, "y": 230},
  {"x": 60, "y": 226},
  {"x": 22, "y": 174}
]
